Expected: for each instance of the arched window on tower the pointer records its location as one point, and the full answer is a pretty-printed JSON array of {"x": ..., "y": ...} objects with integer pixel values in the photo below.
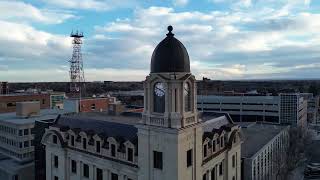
[
  {"x": 187, "y": 97},
  {"x": 159, "y": 98}
]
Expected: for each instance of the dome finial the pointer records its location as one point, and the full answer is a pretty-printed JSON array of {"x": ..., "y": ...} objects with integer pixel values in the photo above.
[{"x": 170, "y": 28}]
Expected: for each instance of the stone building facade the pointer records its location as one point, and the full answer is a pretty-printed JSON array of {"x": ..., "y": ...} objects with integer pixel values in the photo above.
[{"x": 171, "y": 141}]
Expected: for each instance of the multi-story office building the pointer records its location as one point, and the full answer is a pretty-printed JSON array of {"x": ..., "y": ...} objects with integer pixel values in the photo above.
[
  {"x": 4, "y": 87},
  {"x": 17, "y": 139},
  {"x": 285, "y": 108},
  {"x": 171, "y": 141},
  {"x": 293, "y": 109},
  {"x": 242, "y": 107},
  {"x": 264, "y": 151}
]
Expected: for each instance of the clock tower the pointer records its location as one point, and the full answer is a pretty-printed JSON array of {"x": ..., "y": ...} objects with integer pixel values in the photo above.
[{"x": 170, "y": 136}]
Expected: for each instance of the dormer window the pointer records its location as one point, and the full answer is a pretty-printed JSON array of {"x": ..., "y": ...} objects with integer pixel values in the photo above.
[
  {"x": 205, "y": 150},
  {"x": 72, "y": 140},
  {"x": 54, "y": 139},
  {"x": 84, "y": 143},
  {"x": 130, "y": 154},
  {"x": 221, "y": 141},
  {"x": 159, "y": 98},
  {"x": 213, "y": 146},
  {"x": 113, "y": 150},
  {"x": 98, "y": 146}
]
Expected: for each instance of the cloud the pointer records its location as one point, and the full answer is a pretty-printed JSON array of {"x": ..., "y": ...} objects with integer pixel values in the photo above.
[
  {"x": 99, "y": 5},
  {"x": 20, "y": 11},
  {"x": 237, "y": 40},
  {"x": 180, "y": 2},
  {"x": 23, "y": 44},
  {"x": 256, "y": 40},
  {"x": 51, "y": 74}
]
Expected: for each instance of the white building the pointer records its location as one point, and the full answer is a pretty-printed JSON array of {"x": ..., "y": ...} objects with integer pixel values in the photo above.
[
  {"x": 16, "y": 140},
  {"x": 286, "y": 108},
  {"x": 264, "y": 151},
  {"x": 171, "y": 141},
  {"x": 242, "y": 107}
]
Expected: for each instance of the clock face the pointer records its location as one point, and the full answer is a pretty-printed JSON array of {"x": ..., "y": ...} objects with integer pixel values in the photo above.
[{"x": 159, "y": 89}]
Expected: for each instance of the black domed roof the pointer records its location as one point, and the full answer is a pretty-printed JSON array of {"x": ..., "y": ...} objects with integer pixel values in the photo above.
[{"x": 170, "y": 55}]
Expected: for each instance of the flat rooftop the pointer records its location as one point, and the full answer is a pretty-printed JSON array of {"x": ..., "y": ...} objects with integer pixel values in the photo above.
[
  {"x": 9, "y": 165},
  {"x": 44, "y": 114},
  {"x": 256, "y": 136}
]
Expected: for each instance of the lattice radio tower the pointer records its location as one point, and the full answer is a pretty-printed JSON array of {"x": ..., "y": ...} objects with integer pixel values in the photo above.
[{"x": 77, "y": 81}]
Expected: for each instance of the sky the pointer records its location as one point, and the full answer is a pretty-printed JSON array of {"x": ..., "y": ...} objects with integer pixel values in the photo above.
[{"x": 225, "y": 39}]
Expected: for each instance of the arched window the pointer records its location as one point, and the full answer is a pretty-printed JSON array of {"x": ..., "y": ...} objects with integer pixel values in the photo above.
[
  {"x": 187, "y": 97},
  {"x": 159, "y": 98}
]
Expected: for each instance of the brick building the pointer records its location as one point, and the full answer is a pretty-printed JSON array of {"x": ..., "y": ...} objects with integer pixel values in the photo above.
[
  {"x": 8, "y": 101},
  {"x": 89, "y": 104}
]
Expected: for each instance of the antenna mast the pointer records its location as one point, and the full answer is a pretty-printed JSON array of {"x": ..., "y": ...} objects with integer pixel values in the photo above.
[{"x": 77, "y": 81}]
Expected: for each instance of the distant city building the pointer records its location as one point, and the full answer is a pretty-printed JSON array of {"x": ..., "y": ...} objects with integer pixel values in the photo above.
[
  {"x": 170, "y": 142},
  {"x": 89, "y": 104},
  {"x": 264, "y": 150},
  {"x": 47, "y": 100},
  {"x": 4, "y": 87},
  {"x": 252, "y": 107},
  {"x": 313, "y": 107},
  {"x": 17, "y": 139},
  {"x": 56, "y": 100}
]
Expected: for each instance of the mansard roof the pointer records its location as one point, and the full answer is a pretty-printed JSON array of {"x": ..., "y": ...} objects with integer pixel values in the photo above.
[
  {"x": 101, "y": 127},
  {"x": 216, "y": 123}
]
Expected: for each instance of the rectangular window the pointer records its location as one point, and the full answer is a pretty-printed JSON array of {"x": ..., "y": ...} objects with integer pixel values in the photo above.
[
  {"x": 220, "y": 169},
  {"x": 114, "y": 176},
  {"x": 189, "y": 158},
  {"x": 84, "y": 143},
  {"x": 93, "y": 107},
  {"x": 233, "y": 161},
  {"x": 56, "y": 161},
  {"x": 15, "y": 177},
  {"x": 86, "y": 170},
  {"x": 72, "y": 140},
  {"x": 56, "y": 178},
  {"x": 20, "y": 132},
  {"x": 26, "y": 144},
  {"x": 55, "y": 139},
  {"x": 99, "y": 174},
  {"x": 73, "y": 166},
  {"x": 20, "y": 144},
  {"x": 213, "y": 174},
  {"x": 204, "y": 177},
  {"x": 113, "y": 150},
  {"x": 130, "y": 154},
  {"x": 157, "y": 160},
  {"x": 98, "y": 146},
  {"x": 25, "y": 132}
]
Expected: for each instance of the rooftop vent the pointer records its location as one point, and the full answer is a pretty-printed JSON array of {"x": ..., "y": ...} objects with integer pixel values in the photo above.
[{"x": 27, "y": 109}]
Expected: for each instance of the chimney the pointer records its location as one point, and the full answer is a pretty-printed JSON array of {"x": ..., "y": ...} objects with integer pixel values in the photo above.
[{"x": 28, "y": 109}]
